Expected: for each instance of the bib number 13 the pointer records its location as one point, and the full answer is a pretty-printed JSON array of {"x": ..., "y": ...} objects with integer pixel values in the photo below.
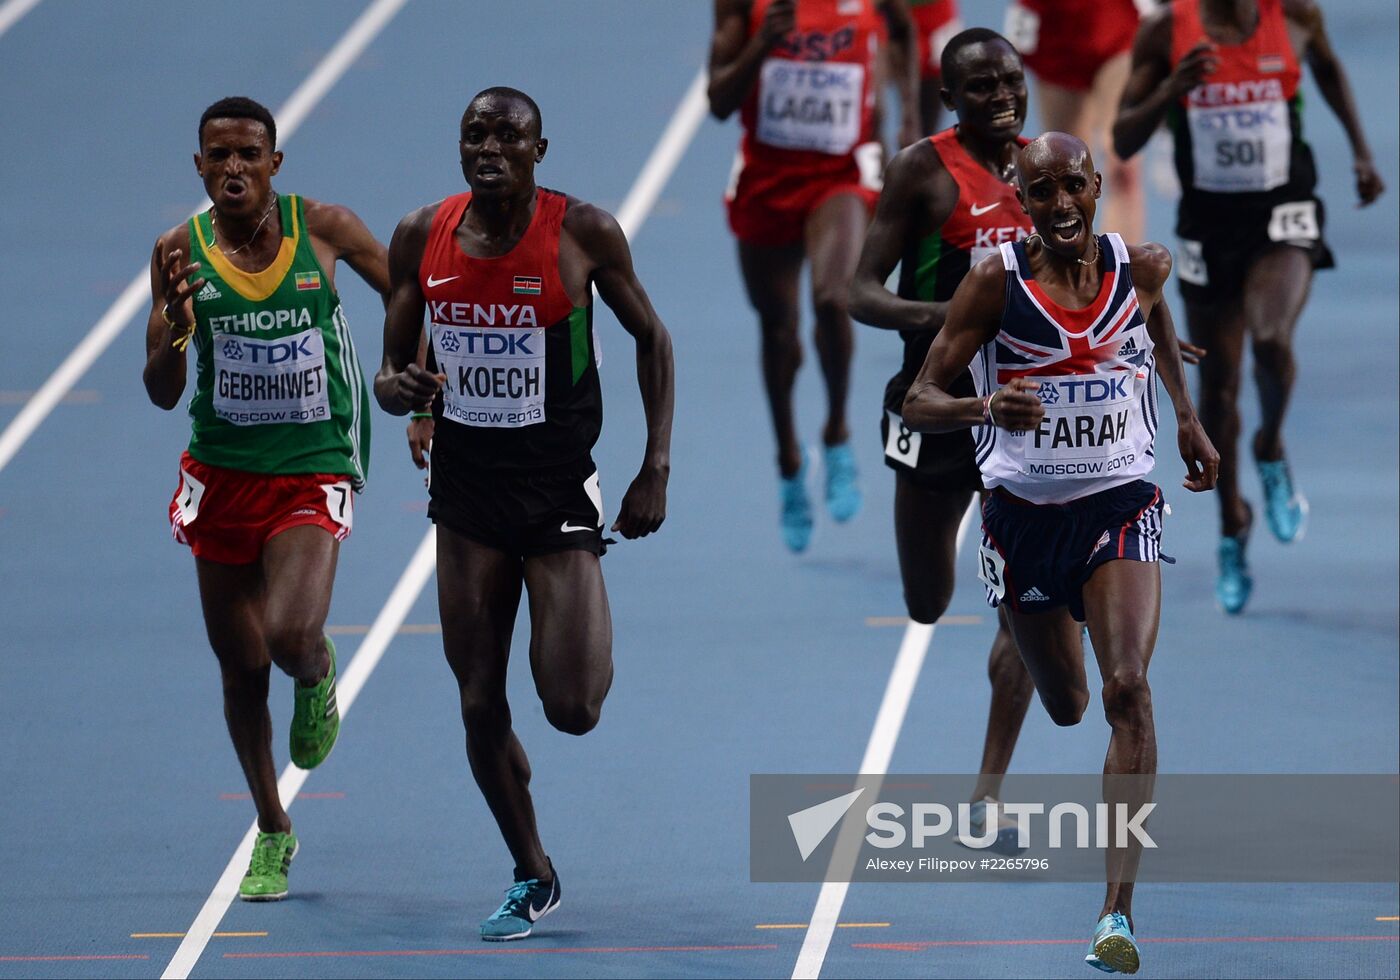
[{"x": 991, "y": 569}]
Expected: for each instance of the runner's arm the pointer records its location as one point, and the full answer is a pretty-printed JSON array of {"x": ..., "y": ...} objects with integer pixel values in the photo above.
[
  {"x": 1152, "y": 264},
  {"x": 914, "y": 172},
  {"x": 402, "y": 384},
  {"x": 1332, "y": 81},
  {"x": 644, "y": 504},
  {"x": 904, "y": 63},
  {"x": 352, "y": 242},
  {"x": 164, "y": 373},
  {"x": 735, "y": 57},
  {"x": 974, "y": 317},
  {"x": 1154, "y": 84}
]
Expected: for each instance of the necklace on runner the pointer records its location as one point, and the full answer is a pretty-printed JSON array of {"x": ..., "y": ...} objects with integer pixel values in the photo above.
[
  {"x": 214, "y": 224},
  {"x": 1085, "y": 262}
]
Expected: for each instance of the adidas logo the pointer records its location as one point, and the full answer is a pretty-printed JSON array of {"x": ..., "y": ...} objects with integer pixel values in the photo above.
[
  {"x": 1034, "y": 595},
  {"x": 209, "y": 292},
  {"x": 1128, "y": 348}
]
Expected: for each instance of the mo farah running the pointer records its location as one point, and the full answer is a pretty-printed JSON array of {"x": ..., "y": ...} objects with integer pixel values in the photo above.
[
  {"x": 1226, "y": 75},
  {"x": 505, "y": 273},
  {"x": 948, "y": 201},
  {"x": 1062, "y": 332},
  {"x": 280, "y": 441}
]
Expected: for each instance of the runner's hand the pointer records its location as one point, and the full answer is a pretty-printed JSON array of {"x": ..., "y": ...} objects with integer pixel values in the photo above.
[
  {"x": 420, "y": 441},
  {"x": 177, "y": 288},
  {"x": 1190, "y": 353},
  {"x": 416, "y": 386},
  {"x": 643, "y": 506},
  {"x": 779, "y": 20},
  {"x": 1202, "y": 461},
  {"x": 1192, "y": 69},
  {"x": 1016, "y": 406},
  {"x": 1369, "y": 185}
]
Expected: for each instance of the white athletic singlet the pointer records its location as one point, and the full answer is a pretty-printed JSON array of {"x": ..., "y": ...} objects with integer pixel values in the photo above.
[{"x": 1098, "y": 383}]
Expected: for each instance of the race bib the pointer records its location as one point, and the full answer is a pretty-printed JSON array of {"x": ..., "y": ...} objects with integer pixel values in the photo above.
[
  {"x": 1088, "y": 428},
  {"x": 1240, "y": 146},
  {"x": 1022, "y": 28},
  {"x": 902, "y": 444},
  {"x": 262, "y": 382},
  {"x": 812, "y": 106},
  {"x": 991, "y": 569},
  {"x": 495, "y": 375},
  {"x": 340, "y": 503},
  {"x": 1191, "y": 263},
  {"x": 1294, "y": 222},
  {"x": 187, "y": 500}
]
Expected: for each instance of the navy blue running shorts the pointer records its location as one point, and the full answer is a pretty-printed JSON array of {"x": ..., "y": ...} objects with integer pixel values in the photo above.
[{"x": 1037, "y": 557}]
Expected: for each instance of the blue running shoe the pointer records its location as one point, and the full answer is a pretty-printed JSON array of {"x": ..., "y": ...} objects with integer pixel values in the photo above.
[
  {"x": 796, "y": 518},
  {"x": 1006, "y": 829},
  {"x": 1284, "y": 505},
  {"x": 526, "y": 903},
  {"x": 1113, "y": 949},
  {"x": 1234, "y": 585},
  {"x": 843, "y": 497}
]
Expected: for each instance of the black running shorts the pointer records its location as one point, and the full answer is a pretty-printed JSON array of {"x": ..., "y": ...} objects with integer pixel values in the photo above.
[
  {"x": 1218, "y": 242},
  {"x": 1037, "y": 557},
  {"x": 526, "y": 513},
  {"x": 933, "y": 461}
]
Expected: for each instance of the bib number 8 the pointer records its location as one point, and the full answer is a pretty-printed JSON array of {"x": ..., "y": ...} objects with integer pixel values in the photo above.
[{"x": 902, "y": 444}]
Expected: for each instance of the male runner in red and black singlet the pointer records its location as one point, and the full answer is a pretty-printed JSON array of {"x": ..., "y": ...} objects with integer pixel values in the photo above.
[
  {"x": 802, "y": 74},
  {"x": 1225, "y": 75},
  {"x": 505, "y": 274},
  {"x": 280, "y": 440},
  {"x": 1064, "y": 332},
  {"x": 947, "y": 203}
]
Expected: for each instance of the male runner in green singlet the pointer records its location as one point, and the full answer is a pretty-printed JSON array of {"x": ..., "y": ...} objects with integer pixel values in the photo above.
[
  {"x": 280, "y": 440},
  {"x": 505, "y": 273}
]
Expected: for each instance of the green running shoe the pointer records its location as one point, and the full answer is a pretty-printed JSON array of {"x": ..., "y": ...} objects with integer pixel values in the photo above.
[
  {"x": 266, "y": 880},
  {"x": 315, "y": 719}
]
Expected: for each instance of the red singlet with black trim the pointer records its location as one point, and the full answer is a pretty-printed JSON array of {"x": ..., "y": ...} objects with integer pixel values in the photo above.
[{"x": 522, "y": 387}]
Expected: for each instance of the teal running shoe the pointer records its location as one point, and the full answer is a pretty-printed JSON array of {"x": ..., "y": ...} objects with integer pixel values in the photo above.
[
  {"x": 526, "y": 903},
  {"x": 1285, "y": 507},
  {"x": 1005, "y": 842},
  {"x": 796, "y": 518},
  {"x": 315, "y": 717},
  {"x": 266, "y": 878},
  {"x": 1113, "y": 949},
  {"x": 1234, "y": 585},
  {"x": 843, "y": 498}
]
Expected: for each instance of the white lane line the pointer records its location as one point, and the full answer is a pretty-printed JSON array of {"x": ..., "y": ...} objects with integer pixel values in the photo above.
[
  {"x": 289, "y": 117},
  {"x": 876, "y": 762},
  {"x": 348, "y": 687},
  {"x": 638, "y": 203},
  {"x": 12, "y": 10}
]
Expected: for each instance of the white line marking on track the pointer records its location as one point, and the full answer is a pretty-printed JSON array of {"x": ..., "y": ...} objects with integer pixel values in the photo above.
[
  {"x": 289, "y": 117},
  {"x": 649, "y": 183},
  {"x": 12, "y": 10},
  {"x": 878, "y": 752}
]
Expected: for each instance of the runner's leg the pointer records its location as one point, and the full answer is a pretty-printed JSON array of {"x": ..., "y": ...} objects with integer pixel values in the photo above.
[
  {"x": 478, "y": 595},
  {"x": 771, "y": 275},
  {"x": 1275, "y": 290},
  {"x": 299, "y": 571},
  {"x": 1011, "y": 699},
  {"x": 834, "y": 234},
  {"x": 232, "y": 597},
  {"x": 570, "y": 637},
  {"x": 1219, "y": 328}
]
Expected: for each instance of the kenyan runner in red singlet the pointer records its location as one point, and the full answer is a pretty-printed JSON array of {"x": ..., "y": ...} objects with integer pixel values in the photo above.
[
  {"x": 1225, "y": 77},
  {"x": 803, "y": 75},
  {"x": 505, "y": 275},
  {"x": 947, "y": 203}
]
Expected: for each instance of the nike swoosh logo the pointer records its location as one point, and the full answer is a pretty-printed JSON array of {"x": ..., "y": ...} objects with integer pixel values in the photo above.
[
  {"x": 566, "y": 527},
  {"x": 975, "y": 212},
  {"x": 535, "y": 913},
  {"x": 439, "y": 282}
]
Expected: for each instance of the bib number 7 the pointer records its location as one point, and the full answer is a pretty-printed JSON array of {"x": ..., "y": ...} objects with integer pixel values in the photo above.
[{"x": 340, "y": 503}]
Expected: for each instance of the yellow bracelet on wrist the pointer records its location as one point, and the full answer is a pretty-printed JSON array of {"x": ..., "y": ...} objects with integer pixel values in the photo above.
[{"x": 182, "y": 341}]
